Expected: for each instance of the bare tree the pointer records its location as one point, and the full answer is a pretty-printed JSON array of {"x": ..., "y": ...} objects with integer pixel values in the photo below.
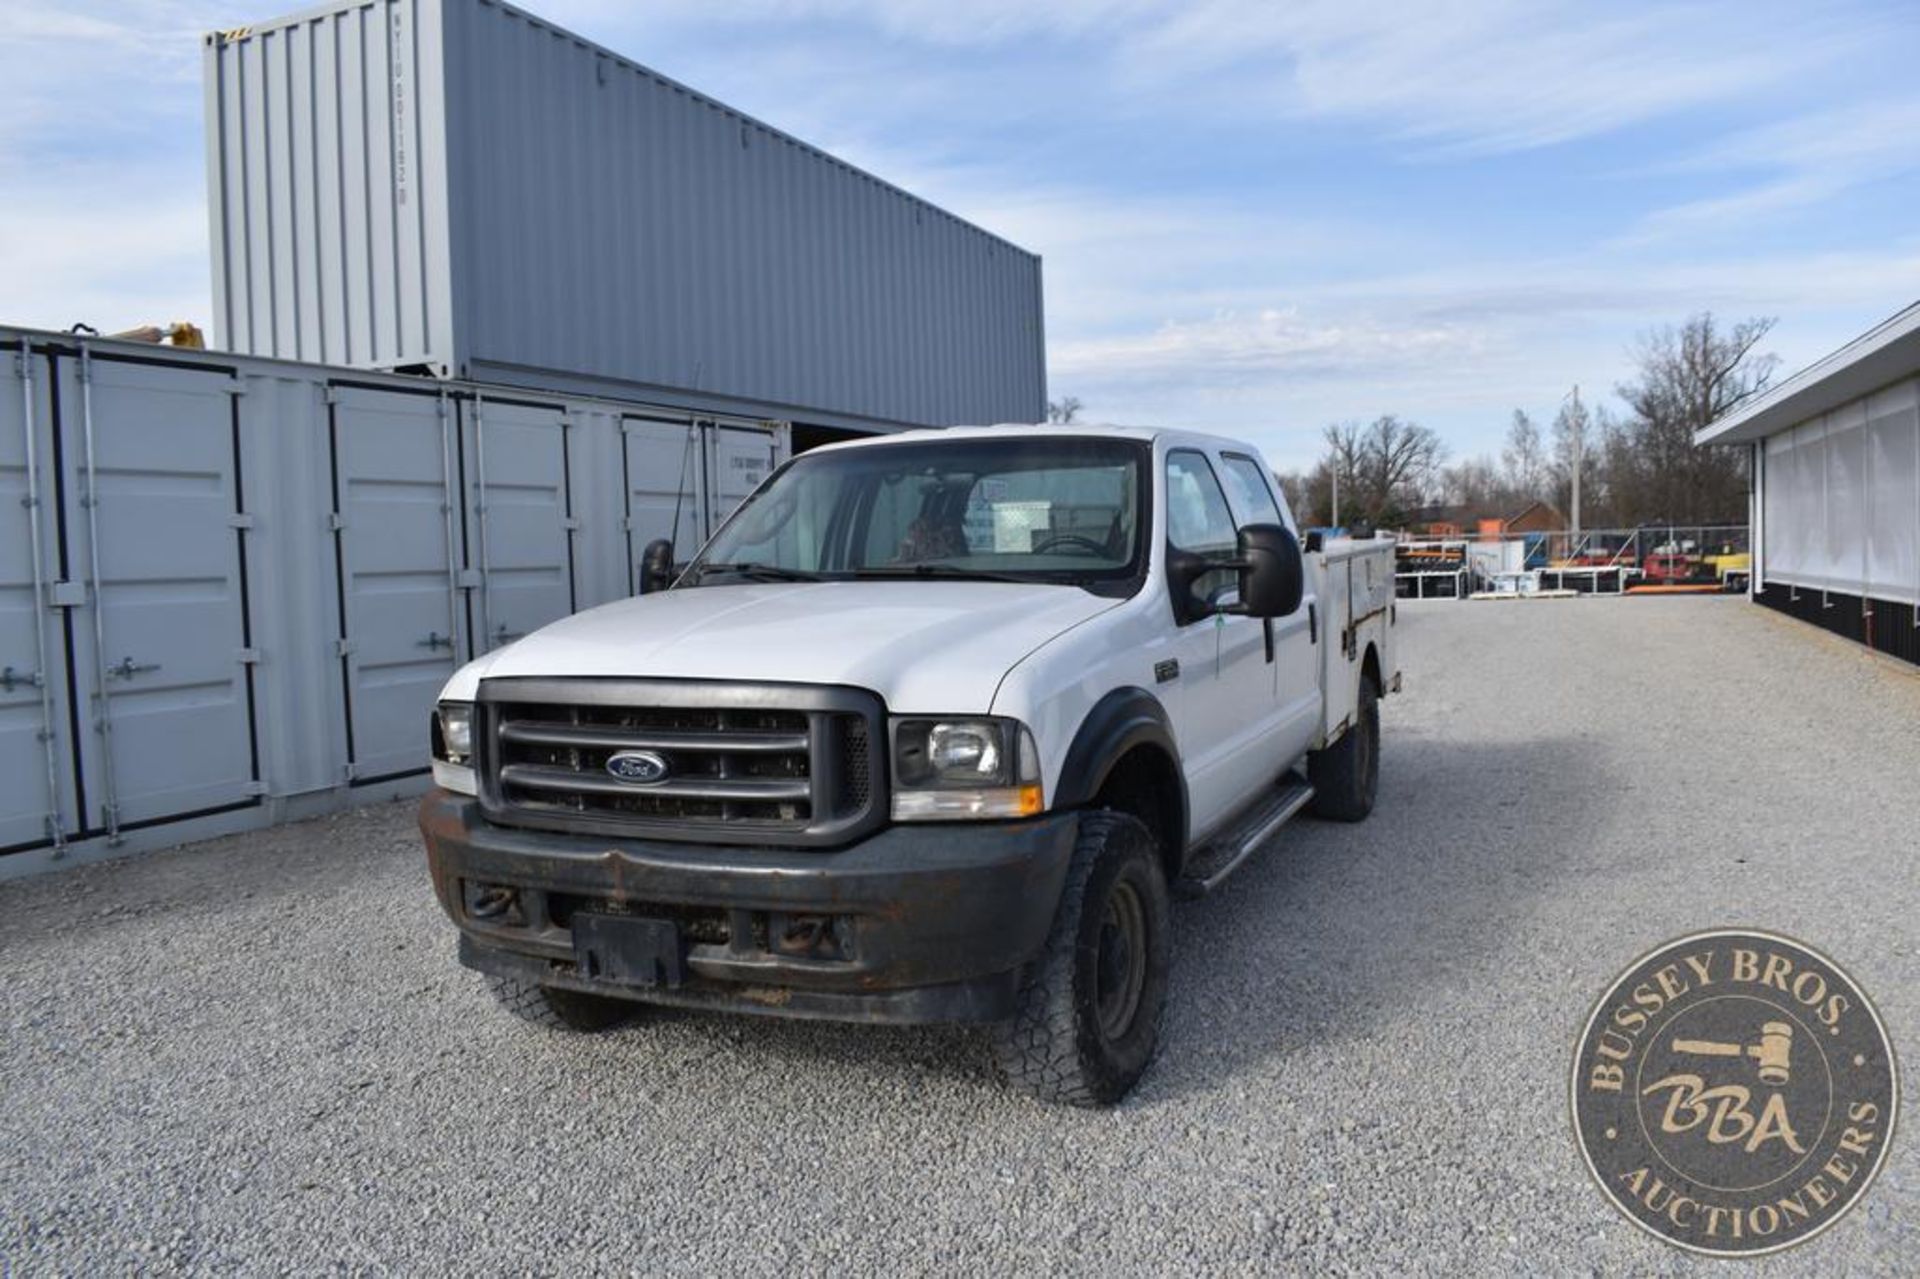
[
  {"x": 1688, "y": 377},
  {"x": 1474, "y": 484},
  {"x": 1386, "y": 469},
  {"x": 1064, "y": 410},
  {"x": 1524, "y": 458},
  {"x": 1296, "y": 487}
]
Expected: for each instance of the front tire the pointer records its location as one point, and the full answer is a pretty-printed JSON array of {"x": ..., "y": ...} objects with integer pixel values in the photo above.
[
  {"x": 555, "y": 1009},
  {"x": 1089, "y": 1011},
  {"x": 1346, "y": 775}
]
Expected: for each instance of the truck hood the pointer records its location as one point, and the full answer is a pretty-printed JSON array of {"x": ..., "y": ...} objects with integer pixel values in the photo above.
[{"x": 937, "y": 647}]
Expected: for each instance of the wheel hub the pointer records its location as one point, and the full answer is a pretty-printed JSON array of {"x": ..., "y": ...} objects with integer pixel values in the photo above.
[{"x": 1120, "y": 960}]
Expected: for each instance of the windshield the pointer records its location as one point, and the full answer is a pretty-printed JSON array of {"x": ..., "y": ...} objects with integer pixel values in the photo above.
[{"x": 1035, "y": 508}]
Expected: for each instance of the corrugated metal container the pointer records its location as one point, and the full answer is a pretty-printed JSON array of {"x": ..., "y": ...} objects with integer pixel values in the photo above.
[
  {"x": 230, "y": 587},
  {"x": 458, "y": 186}
]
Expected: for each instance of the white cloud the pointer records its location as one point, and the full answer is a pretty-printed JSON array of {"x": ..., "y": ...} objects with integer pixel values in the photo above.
[
  {"x": 1806, "y": 161},
  {"x": 1236, "y": 348},
  {"x": 1470, "y": 75},
  {"x": 88, "y": 256}
]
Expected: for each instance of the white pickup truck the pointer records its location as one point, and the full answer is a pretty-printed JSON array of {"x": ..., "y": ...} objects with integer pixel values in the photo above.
[{"x": 929, "y": 730}]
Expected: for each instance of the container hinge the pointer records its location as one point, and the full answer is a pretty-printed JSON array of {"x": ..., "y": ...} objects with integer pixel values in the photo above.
[
  {"x": 247, "y": 656},
  {"x": 242, "y": 520},
  {"x": 66, "y": 594},
  {"x": 330, "y": 394},
  {"x": 571, "y": 523},
  {"x": 255, "y": 788},
  {"x": 335, "y": 521},
  {"x": 343, "y": 648},
  {"x": 348, "y": 771},
  {"x": 626, "y": 524},
  {"x": 235, "y": 387},
  {"x": 468, "y": 579}
]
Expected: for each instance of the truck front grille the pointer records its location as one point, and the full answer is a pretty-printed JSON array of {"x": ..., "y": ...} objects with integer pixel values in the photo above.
[{"x": 752, "y": 763}]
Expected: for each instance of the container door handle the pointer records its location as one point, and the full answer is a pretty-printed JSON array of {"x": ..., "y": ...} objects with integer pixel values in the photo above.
[
  {"x": 435, "y": 639},
  {"x": 126, "y": 669},
  {"x": 11, "y": 679}
]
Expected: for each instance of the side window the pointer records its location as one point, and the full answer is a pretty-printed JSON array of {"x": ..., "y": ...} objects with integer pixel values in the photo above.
[
  {"x": 1247, "y": 485},
  {"x": 1200, "y": 523}
]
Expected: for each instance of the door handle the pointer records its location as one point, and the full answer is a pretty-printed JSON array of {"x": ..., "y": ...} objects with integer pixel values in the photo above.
[
  {"x": 11, "y": 679},
  {"x": 126, "y": 669},
  {"x": 501, "y": 634},
  {"x": 435, "y": 639}
]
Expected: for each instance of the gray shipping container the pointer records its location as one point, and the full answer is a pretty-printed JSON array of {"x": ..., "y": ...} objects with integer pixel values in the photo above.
[
  {"x": 231, "y": 587},
  {"x": 457, "y": 187}
]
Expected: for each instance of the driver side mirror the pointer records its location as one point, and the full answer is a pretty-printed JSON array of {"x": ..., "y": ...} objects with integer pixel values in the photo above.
[
  {"x": 656, "y": 566},
  {"x": 1272, "y": 575}
]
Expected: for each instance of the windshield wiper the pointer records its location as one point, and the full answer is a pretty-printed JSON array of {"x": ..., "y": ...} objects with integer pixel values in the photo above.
[
  {"x": 759, "y": 572},
  {"x": 943, "y": 570}
]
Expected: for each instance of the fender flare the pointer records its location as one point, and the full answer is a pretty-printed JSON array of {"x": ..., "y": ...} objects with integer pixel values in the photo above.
[{"x": 1123, "y": 719}]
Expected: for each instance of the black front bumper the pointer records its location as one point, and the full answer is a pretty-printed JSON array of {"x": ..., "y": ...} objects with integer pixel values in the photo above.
[{"x": 912, "y": 924}]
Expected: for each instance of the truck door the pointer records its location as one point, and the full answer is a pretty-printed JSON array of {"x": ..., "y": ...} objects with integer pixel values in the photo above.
[
  {"x": 1222, "y": 701},
  {"x": 1295, "y": 667}
]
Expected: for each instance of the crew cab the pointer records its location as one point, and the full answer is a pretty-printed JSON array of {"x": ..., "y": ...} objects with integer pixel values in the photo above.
[{"x": 930, "y": 730}]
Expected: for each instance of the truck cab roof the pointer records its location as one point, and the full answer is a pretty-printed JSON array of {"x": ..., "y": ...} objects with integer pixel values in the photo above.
[{"x": 1089, "y": 430}]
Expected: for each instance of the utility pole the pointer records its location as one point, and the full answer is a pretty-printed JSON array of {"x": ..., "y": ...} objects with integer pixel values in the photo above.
[
  {"x": 1334, "y": 470},
  {"x": 1577, "y": 419}
]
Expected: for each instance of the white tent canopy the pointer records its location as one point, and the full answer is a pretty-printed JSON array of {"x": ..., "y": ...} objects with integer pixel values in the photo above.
[{"x": 1841, "y": 498}]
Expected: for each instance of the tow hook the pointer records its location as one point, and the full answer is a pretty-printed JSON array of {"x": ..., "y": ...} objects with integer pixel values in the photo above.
[{"x": 491, "y": 902}]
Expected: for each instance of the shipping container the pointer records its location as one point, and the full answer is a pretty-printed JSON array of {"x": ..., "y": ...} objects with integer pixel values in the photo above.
[
  {"x": 230, "y": 587},
  {"x": 457, "y": 187}
]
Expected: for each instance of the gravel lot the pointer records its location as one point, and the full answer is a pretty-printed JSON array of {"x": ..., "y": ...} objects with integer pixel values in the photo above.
[{"x": 258, "y": 1054}]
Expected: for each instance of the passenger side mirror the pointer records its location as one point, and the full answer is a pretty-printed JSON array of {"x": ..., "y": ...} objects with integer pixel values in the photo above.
[
  {"x": 656, "y": 566},
  {"x": 1272, "y": 576}
]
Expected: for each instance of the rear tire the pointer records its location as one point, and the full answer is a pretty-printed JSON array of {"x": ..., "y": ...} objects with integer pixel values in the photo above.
[
  {"x": 1346, "y": 775},
  {"x": 557, "y": 1009},
  {"x": 1089, "y": 1010}
]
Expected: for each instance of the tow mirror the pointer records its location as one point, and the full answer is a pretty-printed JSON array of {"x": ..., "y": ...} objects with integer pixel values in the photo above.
[
  {"x": 1272, "y": 577},
  {"x": 656, "y": 566}
]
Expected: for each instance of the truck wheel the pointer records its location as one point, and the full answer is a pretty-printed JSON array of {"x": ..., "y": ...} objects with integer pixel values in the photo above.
[
  {"x": 558, "y": 1009},
  {"x": 1347, "y": 773},
  {"x": 1089, "y": 1012}
]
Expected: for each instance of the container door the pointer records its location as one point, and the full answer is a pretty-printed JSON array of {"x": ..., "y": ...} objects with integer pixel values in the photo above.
[
  {"x": 403, "y": 621},
  {"x": 37, "y": 733},
  {"x": 739, "y": 456},
  {"x": 520, "y": 531},
  {"x": 155, "y": 523},
  {"x": 665, "y": 496}
]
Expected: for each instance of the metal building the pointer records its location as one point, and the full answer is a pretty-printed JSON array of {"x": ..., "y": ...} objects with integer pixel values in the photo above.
[
  {"x": 231, "y": 587},
  {"x": 1836, "y": 488},
  {"x": 458, "y": 187}
]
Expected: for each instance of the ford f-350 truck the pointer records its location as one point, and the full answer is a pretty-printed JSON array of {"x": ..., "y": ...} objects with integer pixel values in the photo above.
[{"x": 930, "y": 730}]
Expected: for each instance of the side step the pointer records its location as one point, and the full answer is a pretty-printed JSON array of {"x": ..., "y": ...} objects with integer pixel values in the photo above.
[{"x": 1232, "y": 846}]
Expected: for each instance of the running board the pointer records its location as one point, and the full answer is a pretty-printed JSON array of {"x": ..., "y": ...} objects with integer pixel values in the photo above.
[{"x": 1228, "y": 850}]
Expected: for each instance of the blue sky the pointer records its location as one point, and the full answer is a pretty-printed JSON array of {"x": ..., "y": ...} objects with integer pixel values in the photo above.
[{"x": 1256, "y": 217}]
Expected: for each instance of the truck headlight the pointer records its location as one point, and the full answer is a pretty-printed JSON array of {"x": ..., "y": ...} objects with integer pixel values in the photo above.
[
  {"x": 963, "y": 770},
  {"x": 452, "y": 736}
]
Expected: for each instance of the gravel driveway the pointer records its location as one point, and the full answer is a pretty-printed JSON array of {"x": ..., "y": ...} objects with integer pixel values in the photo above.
[{"x": 258, "y": 1054}]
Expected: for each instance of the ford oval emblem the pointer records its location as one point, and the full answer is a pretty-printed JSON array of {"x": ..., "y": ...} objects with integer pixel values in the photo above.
[{"x": 639, "y": 767}]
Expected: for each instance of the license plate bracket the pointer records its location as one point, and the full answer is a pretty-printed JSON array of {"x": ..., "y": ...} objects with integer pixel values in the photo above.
[{"x": 628, "y": 950}]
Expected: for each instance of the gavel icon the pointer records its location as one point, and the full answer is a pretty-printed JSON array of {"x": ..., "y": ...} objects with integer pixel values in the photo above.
[{"x": 1771, "y": 1053}]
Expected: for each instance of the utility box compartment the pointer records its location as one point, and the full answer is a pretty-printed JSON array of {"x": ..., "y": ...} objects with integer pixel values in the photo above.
[{"x": 456, "y": 187}]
